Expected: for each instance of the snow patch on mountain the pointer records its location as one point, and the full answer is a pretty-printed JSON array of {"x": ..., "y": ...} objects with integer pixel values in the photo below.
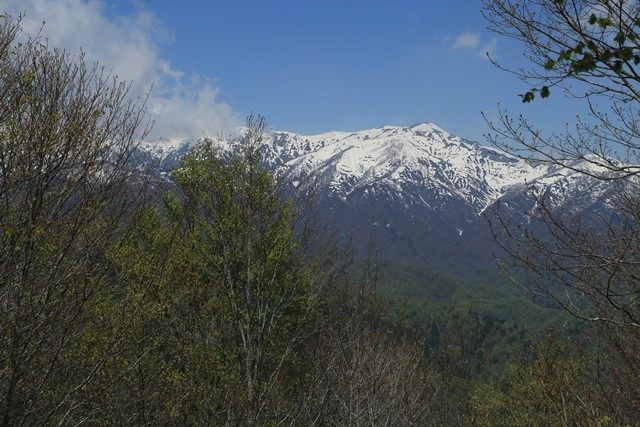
[
  {"x": 399, "y": 161},
  {"x": 394, "y": 157}
]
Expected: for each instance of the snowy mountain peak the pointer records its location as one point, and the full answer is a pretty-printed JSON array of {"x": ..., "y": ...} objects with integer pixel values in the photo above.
[
  {"x": 393, "y": 158},
  {"x": 421, "y": 165},
  {"x": 426, "y": 127},
  {"x": 419, "y": 186}
]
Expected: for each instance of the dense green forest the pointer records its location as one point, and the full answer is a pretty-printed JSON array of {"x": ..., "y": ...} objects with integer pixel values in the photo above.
[
  {"x": 216, "y": 298},
  {"x": 427, "y": 292}
]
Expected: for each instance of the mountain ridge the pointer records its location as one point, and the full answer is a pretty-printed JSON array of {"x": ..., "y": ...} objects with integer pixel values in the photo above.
[{"x": 412, "y": 187}]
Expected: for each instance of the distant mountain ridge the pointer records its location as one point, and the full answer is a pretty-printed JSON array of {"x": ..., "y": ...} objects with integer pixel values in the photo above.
[{"x": 421, "y": 191}]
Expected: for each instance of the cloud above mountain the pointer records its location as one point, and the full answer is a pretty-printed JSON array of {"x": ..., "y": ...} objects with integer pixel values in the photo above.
[
  {"x": 467, "y": 40},
  {"x": 182, "y": 105},
  {"x": 472, "y": 41}
]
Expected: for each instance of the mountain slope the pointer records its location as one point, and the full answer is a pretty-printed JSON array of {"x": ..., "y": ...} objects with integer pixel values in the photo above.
[
  {"x": 418, "y": 191},
  {"x": 423, "y": 155}
]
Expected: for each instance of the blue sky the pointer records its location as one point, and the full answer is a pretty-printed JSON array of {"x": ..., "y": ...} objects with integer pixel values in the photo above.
[{"x": 307, "y": 65}]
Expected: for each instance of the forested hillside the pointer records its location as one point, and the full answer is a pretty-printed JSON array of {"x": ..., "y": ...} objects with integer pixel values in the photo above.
[{"x": 218, "y": 296}]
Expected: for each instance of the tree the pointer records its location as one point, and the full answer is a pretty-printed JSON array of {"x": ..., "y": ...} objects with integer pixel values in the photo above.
[
  {"x": 234, "y": 294},
  {"x": 589, "y": 49},
  {"x": 267, "y": 294},
  {"x": 553, "y": 385},
  {"x": 67, "y": 131},
  {"x": 367, "y": 369},
  {"x": 249, "y": 314}
]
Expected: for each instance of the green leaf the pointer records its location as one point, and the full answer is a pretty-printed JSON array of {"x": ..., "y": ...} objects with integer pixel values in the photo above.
[
  {"x": 586, "y": 63},
  {"x": 549, "y": 64},
  {"x": 29, "y": 77},
  {"x": 604, "y": 22},
  {"x": 593, "y": 19},
  {"x": 625, "y": 53},
  {"x": 564, "y": 55},
  {"x": 617, "y": 66},
  {"x": 528, "y": 96},
  {"x": 544, "y": 92}
]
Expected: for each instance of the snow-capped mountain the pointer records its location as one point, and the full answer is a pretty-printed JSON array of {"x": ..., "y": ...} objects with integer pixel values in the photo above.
[
  {"x": 393, "y": 157},
  {"x": 419, "y": 190}
]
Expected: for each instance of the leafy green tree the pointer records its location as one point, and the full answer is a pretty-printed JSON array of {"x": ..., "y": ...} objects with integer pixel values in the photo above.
[
  {"x": 228, "y": 295},
  {"x": 266, "y": 293},
  {"x": 553, "y": 386},
  {"x": 67, "y": 131}
]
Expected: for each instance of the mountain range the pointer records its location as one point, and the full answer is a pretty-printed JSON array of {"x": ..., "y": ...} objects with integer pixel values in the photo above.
[{"x": 417, "y": 192}]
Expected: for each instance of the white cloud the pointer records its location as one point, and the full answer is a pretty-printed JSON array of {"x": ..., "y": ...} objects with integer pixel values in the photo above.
[
  {"x": 489, "y": 50},
  {"x": 181, "y": 106},
  {"x": 467, "y": 40},
  {"x": 472, "y": 41}
]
